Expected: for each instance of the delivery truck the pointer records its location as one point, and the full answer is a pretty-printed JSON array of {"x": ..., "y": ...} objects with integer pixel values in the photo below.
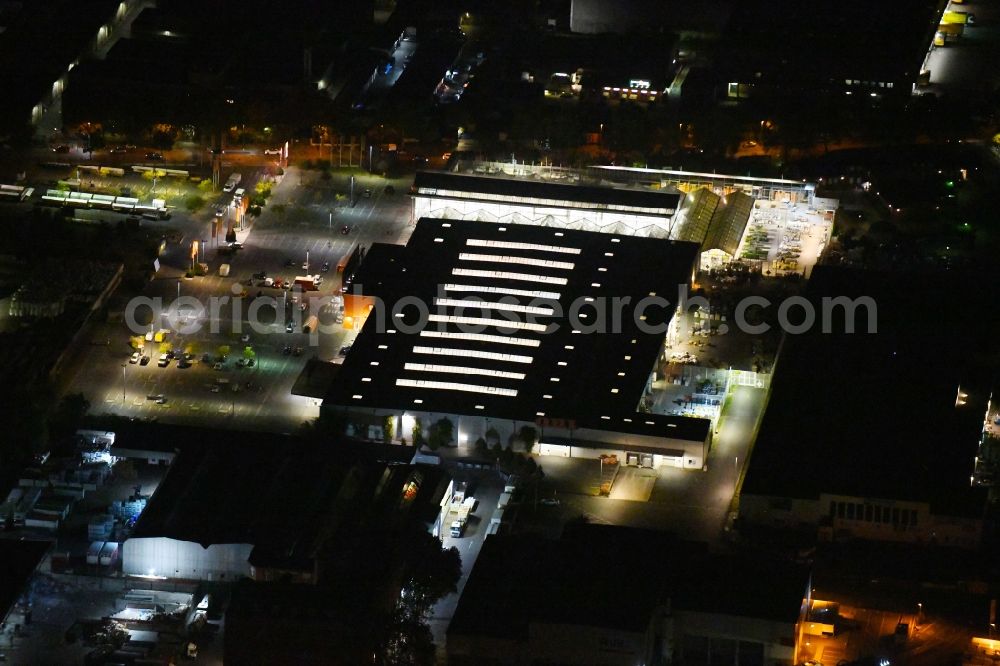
[{"x": 94, "y": 552}]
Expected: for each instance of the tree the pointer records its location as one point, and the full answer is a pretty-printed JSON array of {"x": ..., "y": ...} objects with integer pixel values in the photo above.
[
  {"x": 529, "y": 436},
  {"x": 67, "y": 416},
  {"x": 492, "y": 436},
  {"x": 440, "y": 434},
  {"x": 193, "y": 203},
  {"x": 248, "y": 353},
  {"x": 388, "y": 428},
  {"x": 224, "y": 350},
  {"x": 323, "y": 428}
]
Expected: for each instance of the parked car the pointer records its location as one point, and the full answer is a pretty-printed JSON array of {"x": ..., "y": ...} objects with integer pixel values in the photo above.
[
  {"x": 144, "y": 360},
  {"x": 154, "y": 156},
  {"x": 286, "y": 350},
  {"x": 134, "y": 358},
  {"x": 345, "y": 230},
  {"x": 326, "y": 266}
]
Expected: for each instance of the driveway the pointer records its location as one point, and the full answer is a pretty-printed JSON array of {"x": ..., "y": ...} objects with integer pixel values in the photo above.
[{"x": 634, "y": 483}]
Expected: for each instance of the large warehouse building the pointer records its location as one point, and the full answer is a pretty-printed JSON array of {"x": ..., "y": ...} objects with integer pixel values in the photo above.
[
  {"x": 266, "y": 512},
  {"x": 534, "y": 199},
  {"x": 716, "y": 211},
  {"x": 841, "y": 453},
  {"x": 526, "y": 327}
]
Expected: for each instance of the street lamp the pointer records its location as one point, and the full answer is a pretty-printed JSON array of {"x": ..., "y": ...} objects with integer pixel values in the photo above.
[{"x": 124, "y": 366}]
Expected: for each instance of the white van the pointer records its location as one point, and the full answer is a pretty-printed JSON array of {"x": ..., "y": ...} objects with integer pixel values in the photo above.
[{"x": 238, "y": 194}]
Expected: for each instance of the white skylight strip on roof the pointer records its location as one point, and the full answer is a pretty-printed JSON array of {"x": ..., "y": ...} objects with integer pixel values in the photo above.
[
  {"x": 462, "y": 370},
  {"x": 472, "y": 353},
  {"x": 486, "y": 321},
  {"x": 455, "y": 386},
  {"x": 508, "y": 259},
  {"x": 507, "y": 275},
  {"x": 509, "y": 307},
  {"x": 511, "y": 291},
  {"x": 513, "y": 245},
  {"x": 482, "y": 337}
]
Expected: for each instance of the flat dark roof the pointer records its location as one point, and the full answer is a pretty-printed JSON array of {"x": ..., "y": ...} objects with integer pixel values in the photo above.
[
  {"x": 571, "y": 581},
  {"x": 19, "y": 558},
  {"x": 517, "y": 374},
  {"x": 827, "y": 41},
  {"x": 875, "y": 415},
  {"x": 536, "y": 189},
  {"x": 278, "y": 497}
]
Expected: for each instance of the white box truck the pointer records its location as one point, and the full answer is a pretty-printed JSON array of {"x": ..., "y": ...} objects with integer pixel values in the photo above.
[
  {"x": 109, "y": 554},
  {"x": 94, "y": 552}
]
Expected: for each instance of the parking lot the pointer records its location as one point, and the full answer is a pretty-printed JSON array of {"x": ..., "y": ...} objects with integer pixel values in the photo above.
[{"x": 304, "y": 220}]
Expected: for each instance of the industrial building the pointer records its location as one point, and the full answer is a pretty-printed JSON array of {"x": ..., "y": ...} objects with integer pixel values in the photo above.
[
  {"x": 545, "y": 198},
  {"x": 525, "y": 329},
  {"x": 713, "y": 210},
  {"x": 227, "y": 512},
  {"x": 535, "y": 600},
  {"x": 873, "y": 435}
]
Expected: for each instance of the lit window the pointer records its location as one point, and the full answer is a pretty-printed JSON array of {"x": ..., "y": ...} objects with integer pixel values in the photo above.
[
  {"x": 627, "y": 420},
  {"x": 614, "y": 390},
  {"x": 649, "y": 423},
  {"x": 562, "y": 362},
  {"x": 480, "y": 407},
  {"x": 511, "y": 245},
  {"x": 595, "y": 284},
  {"x": 383, "y": 346},
  {"x": 357, "y": 396},
  {"x": 418, "y": 401},
  {"x": 373, "y": 363},
  {"x": 602, "y": 269},
  {"x": 621, "y": 374},
  {"x": 438, "y": 240},
  {"x": 606, "y": 418},
  {"x": 486, "y": 321},
  {"x": 481, "y": 337},
  {"x": 531, "y": 293},
  {"x": 553, "y": 379},
  {"x": 462, "y": 370},
  {"x": 507, "y": 307},
  {"x": 616, "y": 240},
  {"x": 628, "y": 358},
  {"x": 366, "y": 379},
  {"x": 539, "y": 413},
  {"x": 523, "y": 261},
  {"x": 609, "y": 254},
  {"x": 547, "y": 396},
  {"x": 472, "y": 353},
  {"x": 507, "y": 275},
  {"x": 569, "y": 347},
  {"x": 455, "y": 386}
]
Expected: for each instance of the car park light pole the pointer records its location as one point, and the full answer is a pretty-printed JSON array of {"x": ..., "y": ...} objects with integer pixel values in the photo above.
[{"x": 124, "y": 366}]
